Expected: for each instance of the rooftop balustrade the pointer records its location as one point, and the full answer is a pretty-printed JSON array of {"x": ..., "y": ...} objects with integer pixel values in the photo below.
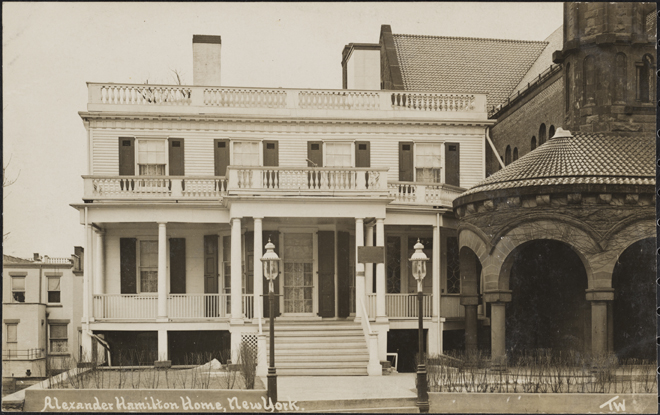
[{"x": 282, "y": 102}]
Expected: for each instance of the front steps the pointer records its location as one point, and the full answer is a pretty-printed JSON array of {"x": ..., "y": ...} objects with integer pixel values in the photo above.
[{"x": 314, "y": 348}]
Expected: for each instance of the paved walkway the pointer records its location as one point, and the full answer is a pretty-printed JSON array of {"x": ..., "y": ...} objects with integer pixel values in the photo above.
[{"x": 310, "y": 388}]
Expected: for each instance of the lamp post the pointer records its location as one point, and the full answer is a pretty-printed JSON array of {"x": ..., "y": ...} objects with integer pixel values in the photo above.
[
  {"x": 418, "y": 262},
  {"x": 271, "y": 270}
]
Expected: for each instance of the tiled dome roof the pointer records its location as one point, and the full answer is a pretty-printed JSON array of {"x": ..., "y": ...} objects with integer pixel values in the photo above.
[{"x": 584, "y": 158}]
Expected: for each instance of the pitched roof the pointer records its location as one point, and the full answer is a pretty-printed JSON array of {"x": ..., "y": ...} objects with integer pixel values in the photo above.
[
  {"x": 585, "y": 158},
  {"x": 460, "y": 64},
  {"x": 8, "y": 259},
  {"x": 544, "y": 61}
]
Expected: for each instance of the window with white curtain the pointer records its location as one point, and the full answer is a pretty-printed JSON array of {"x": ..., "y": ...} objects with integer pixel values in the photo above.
[
  {"x": 428, "y": 162},
  {"x": 246, "y": 153},
  {"x": 148, "y": 266},
  {"x": 338, "y": 155},
  {"x": 152, "y": 160}
]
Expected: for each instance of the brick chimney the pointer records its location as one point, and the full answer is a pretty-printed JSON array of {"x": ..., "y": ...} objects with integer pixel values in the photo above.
[{"x": 206, "y": 60}]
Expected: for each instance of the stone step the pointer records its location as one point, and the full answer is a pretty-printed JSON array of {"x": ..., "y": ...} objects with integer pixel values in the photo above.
[
  {"x": 388, "y": 405},
  {"x": 310, "y": 344},
  {"x": 322, "y": 358},
  {"x": 321, "y": 364},
  {"x": 315, "y": 371},
  {"x": 318, "y": 333},
  {"x": 330, "y": 352}
]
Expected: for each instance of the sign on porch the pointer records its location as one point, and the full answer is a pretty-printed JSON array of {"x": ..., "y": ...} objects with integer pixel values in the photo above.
[{"x": 371, "y": 254}]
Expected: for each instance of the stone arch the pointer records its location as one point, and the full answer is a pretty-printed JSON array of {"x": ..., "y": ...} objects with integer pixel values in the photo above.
[
  {"x": 507, "y": 156},
  {"x": 541, "y": 228},
  {"x": 472, "y": 237},
  {"x": 542, "y": 133},
  {"x": 532, "y": 143}
]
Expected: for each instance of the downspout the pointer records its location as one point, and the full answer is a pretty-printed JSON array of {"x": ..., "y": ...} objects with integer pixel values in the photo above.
[{"x": 492, "y": 146}]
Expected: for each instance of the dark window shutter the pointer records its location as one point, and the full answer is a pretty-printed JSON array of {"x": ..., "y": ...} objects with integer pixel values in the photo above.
[
  {"x": 343, "y": 277},
  {"x": 326, "y": 267},
  {"x": 362, "y": 154},
  {"x": 221, "y": 155},
  {"x": 177, "y": 265},
  {"x": 176, "y": 157},
  {"x": 128, "y": 265},
  {"x": 314, "y": 153},
  {"x": 274, "y": 237},
  {"x": 271, "y": 154},
  {"x": 126, "y": 156},
  {"x": 406, "y": 162},
  {"x": 211, "y": 264},
  {"x": 452, "y": 164}
]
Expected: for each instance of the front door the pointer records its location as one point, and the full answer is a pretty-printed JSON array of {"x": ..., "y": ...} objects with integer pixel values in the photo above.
[{"x": 298, "y": 274}]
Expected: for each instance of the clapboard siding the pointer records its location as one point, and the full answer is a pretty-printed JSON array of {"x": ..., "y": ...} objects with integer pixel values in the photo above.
[{"x": 199, "y": 159}]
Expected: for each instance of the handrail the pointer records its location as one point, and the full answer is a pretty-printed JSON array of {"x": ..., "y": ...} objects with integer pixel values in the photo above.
[{"x": 366, "y": 326}]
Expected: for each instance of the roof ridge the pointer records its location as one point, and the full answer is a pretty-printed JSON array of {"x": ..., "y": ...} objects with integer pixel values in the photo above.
[{"x": 473, "y": 38}]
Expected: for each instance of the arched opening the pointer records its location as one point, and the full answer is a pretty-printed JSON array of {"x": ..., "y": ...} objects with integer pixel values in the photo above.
[
  {"x": 542, "y": 134},
  {"x": 551, "y": 132},
  {"x": 548, "y": 309},
  {"x": 507, "y": 156},
  {"x": 515, "y": 153},
  {"x": 589, "y": 80},
  {"x": 567, "y": 87},
  {"x": 633, "y": 308},
  {"x": 533, "y": 143},
  {"x": 645, "y": 74},
  {"x": 620, "y": 78}
]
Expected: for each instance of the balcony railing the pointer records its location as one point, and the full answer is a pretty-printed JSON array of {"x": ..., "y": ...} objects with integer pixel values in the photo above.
[
  {"x": 279, "y": 101},
  {"x": 310, "y": 180},
  {"x": 436, "y": 194},
  {"x": 154, "y": 187},
  {"x": 27, "y": 354}
]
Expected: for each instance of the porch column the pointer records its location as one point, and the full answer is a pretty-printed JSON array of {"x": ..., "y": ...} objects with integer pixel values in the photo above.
[
  {"x": 162, "y": 271},
  {"x": 162, "y": 345},
  {"x": 599, "y": 299},
  {"x": 87, "y": 276},
  {"x": 359, "y": 270},
  {"x": 99, "y": 263},
  {"x": 436, "y": 299},
  {"x": 236, "y": 271},
  {"x": 258, "y": 269},
  {"x": 369, "y": 268},
  {"x": 381, "y": 286}
]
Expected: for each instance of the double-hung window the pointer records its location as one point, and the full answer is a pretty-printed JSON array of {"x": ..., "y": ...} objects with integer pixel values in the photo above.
[
  {"x": 428, "y": 167},
  {"x": 148, "y": 266},
  {"x": 18, "y": 289},
  {"x": 59, "y": 339},
  {"x": 12, "y": 339},
  {"x": 152, "y": 157},
  {"x": 338, "y": 155},
  {"x": 53, "y": 289},
  {"x": 246, "y": 153}
]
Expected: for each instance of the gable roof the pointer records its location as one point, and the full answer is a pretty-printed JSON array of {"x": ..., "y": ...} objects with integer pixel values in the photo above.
[
  {"x": 460, "y": 64},
  {"x": 544, "y": 61},
  {"x": 585, "y": 158},
  {"x": 8, "y": 259}
]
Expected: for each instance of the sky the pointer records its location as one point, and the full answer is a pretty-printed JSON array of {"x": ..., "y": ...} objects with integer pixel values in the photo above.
[{"x": 50, "y": 51}]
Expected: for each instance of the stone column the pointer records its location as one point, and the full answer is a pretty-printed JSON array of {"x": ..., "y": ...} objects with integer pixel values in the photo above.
[
  {"x": 236, "y": 271},
  {"x": 360, "y": 297},
  {"x": 162, "y": 272},
  {"x": 258, "y": 269},
  {"x": 381, "y": 286},
  {"x": 99, "y": 263},
  {"x": 610, "y": 327},
  {"x": 498, "y": 300},
  {"x": 369, "y": 268},
  {"x": 599, "y": 299},
  {"x": 470, "y": 304}
]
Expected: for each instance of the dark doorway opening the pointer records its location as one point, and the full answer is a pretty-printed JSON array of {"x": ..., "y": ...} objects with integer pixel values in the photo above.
[
  {"x": 405, "y": 343},
  {"x": 131, "y": 348},
  {"x": 198, "y": 347},
  {"x": 549, "y": 309},
  {"x": 634, "y": 306}
]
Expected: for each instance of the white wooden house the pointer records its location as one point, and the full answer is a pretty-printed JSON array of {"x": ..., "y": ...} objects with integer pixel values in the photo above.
[{"x": 186, "y": 184}]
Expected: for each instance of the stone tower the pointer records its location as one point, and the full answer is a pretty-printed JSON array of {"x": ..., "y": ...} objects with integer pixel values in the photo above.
[{"x": 609, "y": 59}]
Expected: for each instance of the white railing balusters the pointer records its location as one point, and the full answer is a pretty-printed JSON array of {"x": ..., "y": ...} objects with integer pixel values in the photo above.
[
  {"x": 405, "y": 305},
  {"x": 141, "y": 187}
]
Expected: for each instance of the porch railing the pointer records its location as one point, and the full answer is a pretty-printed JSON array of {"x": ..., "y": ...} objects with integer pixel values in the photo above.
[
  {"x": 450, "y": 306},
  {"x": 125, "y": 306},
  {"x": 150, "y": 187},
  {"x": 308, "y": 179},
  {"x": 27, "y": 354},
  {"x": 405, "y": 305},
  {"x": 197, "y": 306},
  {"x": 371, "y": 305},
  {"x": 437, "y": 194}
]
